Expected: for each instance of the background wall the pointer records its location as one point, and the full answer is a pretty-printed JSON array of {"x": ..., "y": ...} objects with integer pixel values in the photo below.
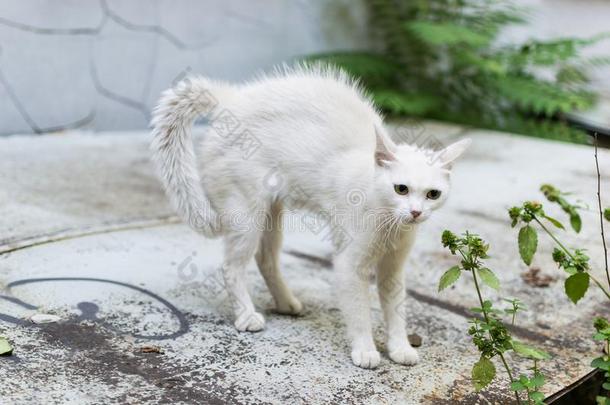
[{"x": 101, "y": 64}]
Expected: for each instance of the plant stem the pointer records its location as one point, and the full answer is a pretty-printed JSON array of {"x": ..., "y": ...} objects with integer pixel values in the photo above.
[
  {"x": 600, "y": 285},
  {"x": 567, "y": 251},
  {"x": 601, "y": 214},
  {"x": 510, "y": 375},
  {"x": 476, "y": 284}
]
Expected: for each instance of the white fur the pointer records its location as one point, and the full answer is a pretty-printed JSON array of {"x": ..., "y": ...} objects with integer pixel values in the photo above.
[{"x": 324, "y": 145}]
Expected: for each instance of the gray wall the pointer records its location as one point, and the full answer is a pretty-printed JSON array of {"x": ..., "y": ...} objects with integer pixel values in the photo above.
[{"x": 100, "y": 64}]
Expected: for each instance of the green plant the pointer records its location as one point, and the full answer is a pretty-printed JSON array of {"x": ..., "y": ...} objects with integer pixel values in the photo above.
[
  {"x": 516, "y": 306},
  {"x": 602, "y": 327},
  {"x": 573, "y": 261},
  {"x": 441, "y": 59},
  {"x": 489, "y": 333}
]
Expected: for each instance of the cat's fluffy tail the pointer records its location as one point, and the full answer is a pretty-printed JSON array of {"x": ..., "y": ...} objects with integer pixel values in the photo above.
[{"x": 173, "y": 151}]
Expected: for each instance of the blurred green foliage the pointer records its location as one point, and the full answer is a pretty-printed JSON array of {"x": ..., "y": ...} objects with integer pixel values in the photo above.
[{"x": 441, "y": 59}]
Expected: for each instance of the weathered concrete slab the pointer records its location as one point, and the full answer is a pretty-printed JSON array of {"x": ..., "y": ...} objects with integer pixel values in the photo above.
[{"x": 85, "y": 233}]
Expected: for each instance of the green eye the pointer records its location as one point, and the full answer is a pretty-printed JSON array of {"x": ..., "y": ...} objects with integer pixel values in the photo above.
[
  {"x": 401, "y": 189},
  {"x": 433, "y": 194}
]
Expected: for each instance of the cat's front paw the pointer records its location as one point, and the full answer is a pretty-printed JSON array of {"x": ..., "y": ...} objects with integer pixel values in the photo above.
[
  {"x": 404, "y": 355},
  {"x": 366, "y": 358},
  {"x": 291, "y": 307},
  {"x": 250, "y": 322}
]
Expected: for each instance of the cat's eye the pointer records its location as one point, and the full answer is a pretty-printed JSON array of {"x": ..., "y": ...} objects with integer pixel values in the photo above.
[
  {"x": 401, "y": 189},
  {"x": 433, "y": 194}
]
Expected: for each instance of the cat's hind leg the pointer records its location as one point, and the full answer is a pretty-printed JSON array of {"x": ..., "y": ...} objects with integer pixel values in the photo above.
[
  {"x": 268, "y": 257},
  {"x": 239, "y": 249}
]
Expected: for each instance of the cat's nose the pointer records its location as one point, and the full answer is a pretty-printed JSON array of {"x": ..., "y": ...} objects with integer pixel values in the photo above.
[{"x": 415, "y": 214}]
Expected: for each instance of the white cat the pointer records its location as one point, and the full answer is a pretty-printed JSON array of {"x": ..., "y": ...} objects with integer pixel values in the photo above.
[{"x": 316, "y": 131}]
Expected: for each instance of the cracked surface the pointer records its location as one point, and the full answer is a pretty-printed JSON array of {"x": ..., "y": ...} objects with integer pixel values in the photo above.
[
  {"x": 101, "y": 64},
  {"x": 87, "y": 235}
]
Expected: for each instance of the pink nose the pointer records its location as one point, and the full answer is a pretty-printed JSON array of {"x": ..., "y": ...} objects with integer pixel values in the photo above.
[{"x": 415, "y": 214}]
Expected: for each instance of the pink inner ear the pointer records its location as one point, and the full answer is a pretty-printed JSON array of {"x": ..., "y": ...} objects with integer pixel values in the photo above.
[{"x": 383, "y": 158}]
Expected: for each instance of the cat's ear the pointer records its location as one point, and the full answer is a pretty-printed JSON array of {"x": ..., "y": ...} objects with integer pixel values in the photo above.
[
  {"x": 384, "y": 148},
  {"x": 448, "y": 155}
]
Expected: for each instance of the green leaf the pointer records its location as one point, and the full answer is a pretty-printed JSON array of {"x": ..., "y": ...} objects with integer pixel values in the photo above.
[
  {"x": 530, "y": 352},
  {"x": 442, "y": 33},
  {"x": 537, "y": 397},
  {"x": 483, "y": 62},
  {"x": 576, "y": 222},
  {"x": 528, "y": 243},
  {"x": 570, "y": 74},
  {"x": 601, "y": 364},
  {"x": 606, "y": 386},
  {"x": 483, "y": 373},
  {"x": 489, "y": 278},
  {"x": 549, "y": 53},
  {"x": 602, "y": 400},
  {"x": 601, "y": 324},
  {"x": 554, "y": 222},
  {"x": 5, "y": 347},
  {"x": 538, "y": 380},
  {"x": 517, "y": 386},
  {"x": 403, "y": 103},
  {"x": 571, "y": 270},
  {"x": 369, "y": 66},
  {"x": 576, "y": 286},
  {"x": 451, "y": 276},
  {"x": 541, "y": 97},
  {"x": 521, "y": 93},
  {"x": 607, "y": 214}
]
